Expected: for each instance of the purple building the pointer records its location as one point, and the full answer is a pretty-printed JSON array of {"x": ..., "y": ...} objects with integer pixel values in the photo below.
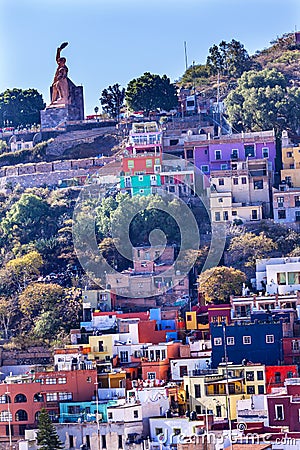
[{"x": 220, "y": 154}]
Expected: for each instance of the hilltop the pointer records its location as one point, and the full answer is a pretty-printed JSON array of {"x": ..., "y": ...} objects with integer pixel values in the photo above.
[{"x": 283, "y": 55}]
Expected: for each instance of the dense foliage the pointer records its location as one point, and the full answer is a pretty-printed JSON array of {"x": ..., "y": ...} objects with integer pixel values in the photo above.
[
  {"x": 112, "y": 100},
  {"x": 20, "y": 107},
  {"x": 228, "y": 58},
  {"x": 47, "y": 437},
  {"x": 219, "y": 283},
  {"x": 150, "y": 92}
]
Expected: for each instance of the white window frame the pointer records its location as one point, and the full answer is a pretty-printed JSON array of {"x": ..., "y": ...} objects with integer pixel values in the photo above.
[
  {"x": 269, "y": 338},
  {"x": 218, "y": 159},
  {"x": 245, "y": 338},
  {"x": 230, "y": 340},
  {"x": 276, "y": 412},
  {"x": 151, "y": 376},
  {"x": 262, "y": 152},
  {"x": 218, "y": 341},
  {"x": 235, "y": 150},
  {"x": 141, "y": 177}
]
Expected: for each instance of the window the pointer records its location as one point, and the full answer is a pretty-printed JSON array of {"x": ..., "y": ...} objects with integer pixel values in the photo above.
[
  {"x": 218, "y": 341},
  {"x": 183, "y": 371},
  {"x": 289, "y": 154},
  {"x": 265, "y": 152},
  {"x": 135, "y": 414},
  {"x": 151, "y": 375},
  {"x": 158, "y": 431},
  {"x": 38, "y": 397},
  {"x": 5, "y": 416},
  {"x": 244, "y": 180},
  {"x": 270, "y": 338},
  {"x": 234, "y": 153},
  {"x": 163, "y": 354},
  {"x": 235, "y": 181},
  {"x": 281, "y": 278},
  {"x": 297, "y": 216},
  {"x": 141, "y": 178},
  {"x": 218, "y": 154},
  {"x": 189, "y": 317},
  {"x": 260, "y": 375},
  {"x": 297, "y": 200},
  {"x": 221, "y": 181},
  {"x": 109, "y": 415},
  {"x": 50, "y": 380},
  {"x": 5, "y": 399},
  {"x": 234, "y": 213},
  {"x": 124, "y": 357},
  {"x": 220, "y": 200},
  {"x": 281, "y": 214},
  {"x": 250, "y": 376},
  {"x": 130, "y": 164},
  {"x": 120, "y": 441},
  {"x": 177, "y": 431},
  {"x": 148, "y": 162},
  {"x": 65, "y": 395},
  {"x": 51, "y": 396},
  {"x": 224, "y": 166},
  {"x": 217, "y": 216},
  {"x": 258, "y": 184},
  {"x": 250, "y": 390},
  {"x": 21, "y": 416},
  {"x": 218, "y": 410},
  {"x": 279, "y": 412},
  {"x": 280, "y": 202},
  {"x": 174, "y": 141},
  {"x": 62, "y": 380},
  {"x": 246, "y": 340},
  {"x": 197, "y": 388},
  {"x": 254, "y": 215},
  {"x": 103, "y": 438},
  {"x": 20, "y": 398},
  {"x": 230, "y": 341},
  {"x": 204, "y": 169},
  {"x": 88, "y": 441},
  {"x": 277, "y": 377},
  {"x": 293, "y": 277},
  {"x": 190, "y": 154},
  {"x": 225, "y": 215},
  {"x": 71, "y": 441},
  {"x": 249, "y": 151},
  {"x": 261, "y": 389}
]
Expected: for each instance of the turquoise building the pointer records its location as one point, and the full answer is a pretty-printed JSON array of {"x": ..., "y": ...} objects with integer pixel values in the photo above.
[
  {"x": 145, "y": 184},
  {"x": 76, "y": 412}
]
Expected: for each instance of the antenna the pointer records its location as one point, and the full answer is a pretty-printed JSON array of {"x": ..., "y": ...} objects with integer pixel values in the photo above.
[{"x": 185, "y": 56}]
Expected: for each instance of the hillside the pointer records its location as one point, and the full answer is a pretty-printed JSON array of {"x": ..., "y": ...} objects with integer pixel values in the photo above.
[{"x": 283, "y": 55}]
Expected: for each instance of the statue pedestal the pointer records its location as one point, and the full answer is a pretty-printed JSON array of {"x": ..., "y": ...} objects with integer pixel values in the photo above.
[{"x": 55, "y": 115}]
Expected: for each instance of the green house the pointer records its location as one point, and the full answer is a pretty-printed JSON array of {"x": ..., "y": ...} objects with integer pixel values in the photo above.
[{"x": 145, "y": 184}]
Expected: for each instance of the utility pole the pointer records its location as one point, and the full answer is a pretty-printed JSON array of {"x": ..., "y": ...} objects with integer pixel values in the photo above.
[
  {"x": 185, "y": 55},
  {"x": 227, "y": 387}
]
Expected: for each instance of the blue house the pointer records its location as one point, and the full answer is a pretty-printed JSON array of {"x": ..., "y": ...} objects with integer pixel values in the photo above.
[
  {"x": 255, "y": 342},
  {"x": 79, "y": 412}
]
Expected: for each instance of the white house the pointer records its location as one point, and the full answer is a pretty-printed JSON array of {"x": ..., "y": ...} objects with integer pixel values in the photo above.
[
  {"x": 188, "y": 366},
  {"x": 278, "y": 275}
]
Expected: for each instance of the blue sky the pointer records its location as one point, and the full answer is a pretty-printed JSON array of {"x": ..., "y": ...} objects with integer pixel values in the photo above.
[{"x": 117, "y": 40}]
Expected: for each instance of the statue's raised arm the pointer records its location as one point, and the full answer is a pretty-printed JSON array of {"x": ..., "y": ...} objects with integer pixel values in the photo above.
[{"x": 60, "y": 88}]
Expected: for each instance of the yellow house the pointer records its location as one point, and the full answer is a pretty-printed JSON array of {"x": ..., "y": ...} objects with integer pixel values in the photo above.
[
  {"x": 253, "y": 374},
  {"x": 290, "y": 163},
  {"x": 112, "y": 380},
  {"x": 102, "y": 347}
]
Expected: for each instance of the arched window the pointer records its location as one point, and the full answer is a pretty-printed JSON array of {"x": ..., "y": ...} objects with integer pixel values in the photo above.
[
  {"x": 37, "y": 416},
  {"x": 5, "y": 399},
  {"x": 38, "y": 397},
  {"x": 20, "y": 398},
  {"x": 21, "y": 415}
]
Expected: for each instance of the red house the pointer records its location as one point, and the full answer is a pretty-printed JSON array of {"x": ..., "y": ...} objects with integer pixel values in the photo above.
[{"x": 276, "y": 376}]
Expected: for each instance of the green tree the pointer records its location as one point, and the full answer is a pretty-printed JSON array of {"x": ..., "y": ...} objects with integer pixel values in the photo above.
[
  {"x": 20, "y": 107},
  {"x": 150, "y": 92},
  {"x": 112, "y": 99},
  {"x": 219, "y": 283},
  {"x": 228, "y": 58},
  {"x": 27, "y": 219},
  {"x": 47, "y": 437},
  {"x": 195, "y": 74},
  {"x": 262, "y": 101}
]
